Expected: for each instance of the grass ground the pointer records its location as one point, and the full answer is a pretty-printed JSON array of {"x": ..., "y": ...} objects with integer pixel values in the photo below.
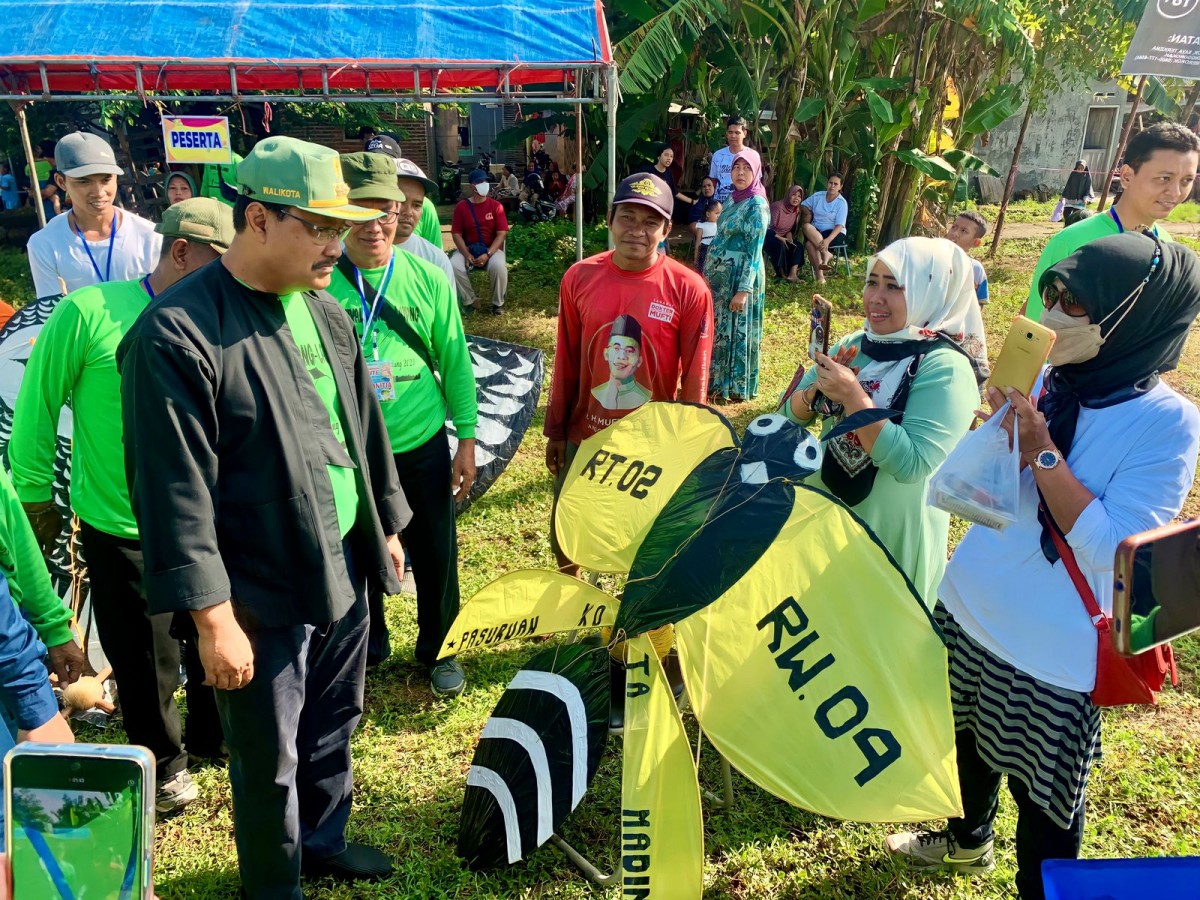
[{"x": 412, "y": 752}]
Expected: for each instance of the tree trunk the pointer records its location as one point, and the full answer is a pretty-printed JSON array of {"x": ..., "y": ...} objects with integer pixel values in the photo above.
[
  {"x": 783, "y": 157},
  {"x": 1133, "y": 114},
  {"x": 1012, "y": 177}
]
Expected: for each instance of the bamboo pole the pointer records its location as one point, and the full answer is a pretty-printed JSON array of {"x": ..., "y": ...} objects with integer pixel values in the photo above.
[
  {"x": 578, "y": 171},
  {"x": 1012, "y": 178},
  {"x": 1137, "y": 101},
  {"x": 23, "y": 125}
]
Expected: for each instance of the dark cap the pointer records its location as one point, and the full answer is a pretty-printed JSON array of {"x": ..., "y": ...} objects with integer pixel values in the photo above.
[
  {"x": 385, "y": 144},
  {"x": 646, "y": 190},
  {"x": 477, "y": 176},
  {"x": 627, "y": 326}
]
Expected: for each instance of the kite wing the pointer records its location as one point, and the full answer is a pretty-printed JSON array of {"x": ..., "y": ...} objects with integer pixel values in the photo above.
[
  {"x": 525, "y": 603},
  {"x": 662, "y": 833},
  {"x": 508, "y": 383},
  {"x": 536, "y": 756},
  {"x": 820, "y": 675},
  {"x": 624, "y": 475}
]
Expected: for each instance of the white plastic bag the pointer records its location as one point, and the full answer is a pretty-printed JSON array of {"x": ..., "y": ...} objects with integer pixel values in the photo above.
[
  {"x": 980, "y": 481},
  {"x": 1057, "y": 215}
]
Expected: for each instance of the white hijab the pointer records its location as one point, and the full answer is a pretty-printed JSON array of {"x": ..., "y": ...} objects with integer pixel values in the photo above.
[{"x": 939, "y": 292}]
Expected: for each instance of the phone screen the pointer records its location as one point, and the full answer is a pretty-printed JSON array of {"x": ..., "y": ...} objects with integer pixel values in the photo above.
[
  {"x": 76, "y": 828},
  {"x": 818, "y": 329},
  {"x": 1165, "y": 596}
]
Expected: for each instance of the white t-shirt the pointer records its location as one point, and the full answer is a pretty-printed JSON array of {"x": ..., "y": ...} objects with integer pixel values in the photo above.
[
  {"x": 825, "y": 214},
  {"x": 422, "y": 249},
  {"x": 57, "y": 251},
  {"x": 708, "y": 231},
  {"x": 1138, "y": 458},
  {"x": 719, "y": 171}
]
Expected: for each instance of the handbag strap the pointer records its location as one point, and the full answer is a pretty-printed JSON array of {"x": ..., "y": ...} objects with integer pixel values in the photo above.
[
  {"x": 1067, "y": 555},
  {"x": 478, "y": 230}
]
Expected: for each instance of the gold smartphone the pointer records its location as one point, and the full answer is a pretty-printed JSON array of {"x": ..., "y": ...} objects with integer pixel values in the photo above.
[
  {"x": 1022, "y": 356},
  {"x": 1156, "y": 586}
]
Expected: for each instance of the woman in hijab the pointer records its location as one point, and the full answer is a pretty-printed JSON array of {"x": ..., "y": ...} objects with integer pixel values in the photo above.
[
  {"x": 1077, "y": 193},
  {"x": 1107, "y": 450},
  {"x": 736, "y": 276},
  {"x": 179, "y": 186},
  {"x": 781, "y": 245},
  {"x": 921, "y": 355}
]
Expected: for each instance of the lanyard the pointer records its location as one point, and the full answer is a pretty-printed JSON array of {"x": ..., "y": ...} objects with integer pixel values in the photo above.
[
  {"x": 146, "y": 285},
  {"x": 369, "y": 310},
  {"x": 1112, "y": 211},
  {"x": 112, "y": 236}
]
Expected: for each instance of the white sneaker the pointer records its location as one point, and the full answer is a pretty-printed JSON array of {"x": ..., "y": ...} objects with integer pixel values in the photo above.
[
  {"x": 175, "y": 793},
  {"x": 938, "y": 850}
]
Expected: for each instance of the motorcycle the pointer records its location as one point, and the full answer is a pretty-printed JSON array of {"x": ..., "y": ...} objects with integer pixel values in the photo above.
[
  {"x": 485, "y": 164},
  {"x": 536, "y": 208},
  {"x": 449, "y": 180}
]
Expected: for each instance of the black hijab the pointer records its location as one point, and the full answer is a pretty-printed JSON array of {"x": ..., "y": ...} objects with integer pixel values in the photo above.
[{"x": 1101, "y": 276}]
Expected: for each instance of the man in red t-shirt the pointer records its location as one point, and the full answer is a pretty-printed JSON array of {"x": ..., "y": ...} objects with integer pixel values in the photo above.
[
  {"x": 633, "y": 325},
  {"x": 479, "y": 228}
]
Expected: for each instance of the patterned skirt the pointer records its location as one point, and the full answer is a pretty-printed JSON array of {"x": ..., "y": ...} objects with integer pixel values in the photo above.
[{"x": 1044, "y": 735}]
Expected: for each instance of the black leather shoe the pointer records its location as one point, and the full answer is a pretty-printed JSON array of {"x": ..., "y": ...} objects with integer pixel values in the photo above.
[{"x": 357, "y": 862}]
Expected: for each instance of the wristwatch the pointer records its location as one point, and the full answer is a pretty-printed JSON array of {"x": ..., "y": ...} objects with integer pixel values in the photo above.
[{"x": 1047, "y": 459}]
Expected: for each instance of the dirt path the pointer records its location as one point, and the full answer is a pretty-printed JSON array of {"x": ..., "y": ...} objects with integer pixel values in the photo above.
[{"x": 1016, "y": 230}]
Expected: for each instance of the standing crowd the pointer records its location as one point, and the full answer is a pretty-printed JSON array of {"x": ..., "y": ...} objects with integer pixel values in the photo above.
[{"x": 261, "y": 394}]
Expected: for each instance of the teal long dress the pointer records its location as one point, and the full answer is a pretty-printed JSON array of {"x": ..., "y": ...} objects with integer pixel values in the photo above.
[
  {"x": 940, "y": 408},
  {"x": 735, "y": 263}
]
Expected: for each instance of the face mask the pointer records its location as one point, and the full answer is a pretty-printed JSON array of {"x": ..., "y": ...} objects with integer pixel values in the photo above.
[
  {"x": 1076, "y": 339},
  {"x": 483, "y": 187}
]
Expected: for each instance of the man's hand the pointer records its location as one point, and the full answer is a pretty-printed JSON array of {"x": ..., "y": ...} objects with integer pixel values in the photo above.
[
  {"x": 462, "y": 474},
  {"x": 481, "y": 261},
  {"x": 225, "y": 651},
  {"x": 556, "y": 456},
  {"x": 54, "y": 730},
  {"x": 396, "y": 552},
  {"x": 46, "y": 520},
  {"x": 66, "y": 661}
]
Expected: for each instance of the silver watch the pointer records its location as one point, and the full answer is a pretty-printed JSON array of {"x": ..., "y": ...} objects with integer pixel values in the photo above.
[{"x": 1047, "y": 459}]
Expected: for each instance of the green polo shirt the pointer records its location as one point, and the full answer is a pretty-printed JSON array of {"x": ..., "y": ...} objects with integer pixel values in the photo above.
[
  {"x": 419, "y": 292},
  {"x": 28, "y": 581},
  {"x": 429, "y": 226},
  {"x": 74, "y": 360},
  {"x": 1067, "y": 242},
  {"x": 308, "y": 341}
]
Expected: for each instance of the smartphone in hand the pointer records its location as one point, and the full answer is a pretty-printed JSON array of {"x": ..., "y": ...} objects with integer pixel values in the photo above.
[
  {"x": 79, "y": 821},
  {"x": 818, "y": 327},
  {"x": 1022, "y": 356}
]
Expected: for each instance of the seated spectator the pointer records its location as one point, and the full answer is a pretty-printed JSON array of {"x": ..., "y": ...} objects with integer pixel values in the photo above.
[
  {"x": 479, "y": 229},
  {"x": 824, "y": 224},
  {"x": 708, "y": 190},
  {"x": 567, "y": 198},
  {"x": 555, "y": 185},
  {"x": 783, "y": 245},
  {"x": 705, "y": 232},
  {"x": 508, "y": 186},
  {"x": 967, "y": 230},
  {"x": 1076, "y": 193},
  {"x": 180, "y": 186}
]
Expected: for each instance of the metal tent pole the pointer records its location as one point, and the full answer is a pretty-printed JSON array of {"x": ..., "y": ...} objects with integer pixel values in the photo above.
[
  {"x": 1137, "y": 102},
  {"x": 611, "y": 80},
  {"x": 579, "y": 170},
  {"x": 23, "y": 125}
]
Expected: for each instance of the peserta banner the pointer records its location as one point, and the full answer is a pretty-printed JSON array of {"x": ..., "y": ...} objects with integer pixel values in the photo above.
[{"x": 1167, "y": 41}]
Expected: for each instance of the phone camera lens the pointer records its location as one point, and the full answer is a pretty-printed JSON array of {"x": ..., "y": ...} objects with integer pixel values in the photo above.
[{"x": 1029, "y": 335}]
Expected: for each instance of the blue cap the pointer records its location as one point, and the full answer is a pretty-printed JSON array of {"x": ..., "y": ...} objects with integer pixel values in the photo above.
[{"x": 477, "y": 176}]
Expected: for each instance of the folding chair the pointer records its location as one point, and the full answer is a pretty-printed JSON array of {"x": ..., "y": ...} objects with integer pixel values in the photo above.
[{"x": 840, "y": 250}]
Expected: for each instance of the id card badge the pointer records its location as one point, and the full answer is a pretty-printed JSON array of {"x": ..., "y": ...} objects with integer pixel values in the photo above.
[{"x": 381, "y": 379}]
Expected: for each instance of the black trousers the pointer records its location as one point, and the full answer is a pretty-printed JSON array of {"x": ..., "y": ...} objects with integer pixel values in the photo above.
[
  {"x": 145, "y": 658},
  {"x": 432, "y": 544},
  {"x": 1038, "y": 838},
  {"x": 288, "y": 733},
  {"x": 782, "y": 256}
]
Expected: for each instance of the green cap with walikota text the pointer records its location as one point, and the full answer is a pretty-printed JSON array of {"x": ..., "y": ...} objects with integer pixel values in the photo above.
[{"x": 290, "y": 172}]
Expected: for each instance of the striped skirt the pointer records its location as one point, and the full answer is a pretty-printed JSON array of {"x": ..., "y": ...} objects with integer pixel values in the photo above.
[{"x": 1044, "y": 735}]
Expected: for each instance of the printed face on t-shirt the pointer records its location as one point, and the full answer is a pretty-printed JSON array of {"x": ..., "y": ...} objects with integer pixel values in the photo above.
[{"x": 624, "y": 355}]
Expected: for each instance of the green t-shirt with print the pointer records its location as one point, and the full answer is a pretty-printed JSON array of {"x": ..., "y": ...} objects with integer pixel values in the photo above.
[{"x": 304, "y": 333}]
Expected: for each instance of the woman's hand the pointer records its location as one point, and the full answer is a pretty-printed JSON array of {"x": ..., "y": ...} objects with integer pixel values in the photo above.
[
  {"x": 837, "y": 380},
  {"x": 738, "y": 303},
  {"x": 1033, "y": 433}
]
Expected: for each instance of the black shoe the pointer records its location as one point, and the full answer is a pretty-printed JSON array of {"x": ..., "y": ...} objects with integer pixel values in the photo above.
[
  {"x": 469, "y": 310},
  {"x": 497, "y": 310},
  {"x": 357, "y": 862}
]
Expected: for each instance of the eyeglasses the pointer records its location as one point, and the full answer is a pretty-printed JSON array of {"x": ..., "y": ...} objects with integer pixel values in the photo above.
[
  {"x": 321, "y": 234},
  {"x": 1052, "y": 296},
  {"x": 388, "y": 218}
]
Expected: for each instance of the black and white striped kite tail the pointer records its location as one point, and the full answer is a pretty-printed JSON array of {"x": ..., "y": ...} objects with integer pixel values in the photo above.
[
  {"x": 536, "y": 756},
  {"x": 508, "y": 384}
]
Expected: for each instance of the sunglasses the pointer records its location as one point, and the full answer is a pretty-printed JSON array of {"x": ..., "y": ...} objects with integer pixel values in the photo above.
[{"x": 1052, "y": 296}]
